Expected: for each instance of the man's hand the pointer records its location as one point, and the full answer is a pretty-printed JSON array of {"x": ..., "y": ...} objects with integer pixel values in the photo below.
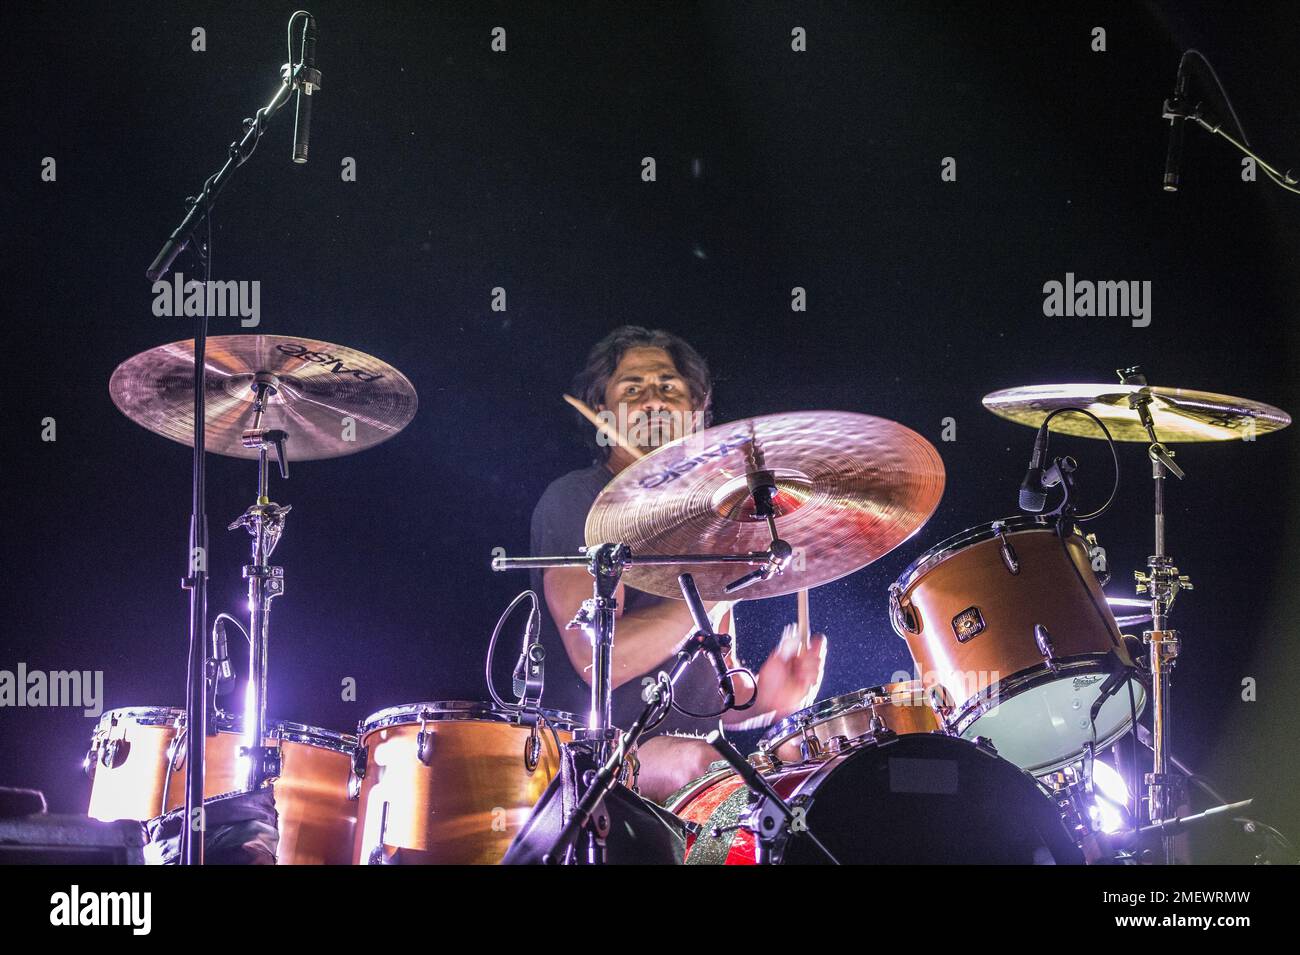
[{"x": 788, "y": 681}]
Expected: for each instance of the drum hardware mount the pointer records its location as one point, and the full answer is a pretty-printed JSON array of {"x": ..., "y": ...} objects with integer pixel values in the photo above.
[
  {"x": 943, "y": 711},
  {"x": 1008, "y": 552},
  {"x": 176, "y": 752},
  {"x": 904, "y": 616},
  {"x": 810, "y": 746},
  {"x": 360, "y": 757},
  {"x": 264, "y": 521},
  {"x": 271, "y": 764},
  {"x": 877, "y": 725},
  {"x": 765, "y": 760},
  {"x": 774, "y": 813},
  {"x": 1043, "y": 640},
  {"x": 590, "y": 813},
  {"x": 1161, "y": 583},
  {"x": 532, "y": 750},
  {"x": 112, "y": 749},
  {"x": 379, "y": 855},
  {"x": 841, "y": 743},
  {"x": 1097, "y": 559},
  {"x": 424, "y": 739}
]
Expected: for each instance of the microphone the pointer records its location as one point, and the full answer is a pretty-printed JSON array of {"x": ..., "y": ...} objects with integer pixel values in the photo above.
[
  {"x": 693, "y": 603},
  {"x": 710, "y": 644},
  {"x": 224, "y": 675},
  {"x": 529, "y": 675},
  {"x": 308, "y": 79},
  {"x": 1119, "y": 675},
  {"x": 1175, "y": 110},
  {"x": 1033, "y": 498}
]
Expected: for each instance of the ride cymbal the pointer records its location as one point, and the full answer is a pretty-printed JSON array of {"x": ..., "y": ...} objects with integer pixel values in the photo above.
[
  {"x": 850, "y": 488},
  {"x": 1178, "y": 414},
  {"x": 318, "y": 386}
]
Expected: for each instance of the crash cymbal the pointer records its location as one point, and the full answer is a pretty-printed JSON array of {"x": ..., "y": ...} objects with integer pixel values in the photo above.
[
  {"x": 319, "y": 385},
  {"x": 1178, "y": 414},
  {"x": 851, "y": 488}
]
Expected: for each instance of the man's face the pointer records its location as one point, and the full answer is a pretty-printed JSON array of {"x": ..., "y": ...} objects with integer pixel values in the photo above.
[{"x": 648, "y": 400}]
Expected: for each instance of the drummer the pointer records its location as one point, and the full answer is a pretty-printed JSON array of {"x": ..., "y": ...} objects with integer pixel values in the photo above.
[{"x": 653, "y": 387}]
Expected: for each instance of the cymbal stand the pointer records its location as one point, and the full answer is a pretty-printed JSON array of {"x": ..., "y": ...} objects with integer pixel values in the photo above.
[
  {"x": 1161, "y": 583},
  {"x": 264, "y": 520}
]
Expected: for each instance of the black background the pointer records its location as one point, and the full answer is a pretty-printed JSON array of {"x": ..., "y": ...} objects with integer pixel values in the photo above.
[{"x": 522, "y": 170}]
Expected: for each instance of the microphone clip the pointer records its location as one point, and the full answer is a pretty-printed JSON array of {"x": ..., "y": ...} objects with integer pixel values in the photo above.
[{"x": 302, "y": 77}]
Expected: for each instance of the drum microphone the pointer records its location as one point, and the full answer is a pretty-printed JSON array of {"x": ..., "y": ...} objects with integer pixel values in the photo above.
[
  {"x": 529, "y": 676},
  {"x": 1033, "y": 498},
  {"x": 710, "y": 647},
  {"x": 224, "y": 674},
  {"x": 1120, "y": 673},
  {"x": 1175, "y": 110},
  {"x": 307, "y": 81}
]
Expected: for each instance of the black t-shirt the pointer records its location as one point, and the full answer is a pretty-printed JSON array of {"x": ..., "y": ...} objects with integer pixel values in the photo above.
[{"x": 557, "y": 529}]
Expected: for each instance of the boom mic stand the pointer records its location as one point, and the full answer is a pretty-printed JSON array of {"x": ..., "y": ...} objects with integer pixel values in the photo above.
[{"x": 196, "y": 582}]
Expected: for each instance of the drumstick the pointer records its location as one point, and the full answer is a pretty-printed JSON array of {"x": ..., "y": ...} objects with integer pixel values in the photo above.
[
  {"x": 805, "y": 628},
  {"x": 604, "y": 427}
]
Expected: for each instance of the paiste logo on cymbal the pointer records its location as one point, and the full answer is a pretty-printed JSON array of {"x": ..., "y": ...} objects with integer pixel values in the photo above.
[
  {"x": 324, "y": 358},
  {"x": 708, "y": 454}
]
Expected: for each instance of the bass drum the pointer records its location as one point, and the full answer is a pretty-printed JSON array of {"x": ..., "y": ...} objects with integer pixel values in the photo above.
[{"x": 917, "y": 799}]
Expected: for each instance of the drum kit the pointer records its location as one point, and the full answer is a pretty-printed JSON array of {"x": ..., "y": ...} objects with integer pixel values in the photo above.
[{"x": 991, "y": 753}]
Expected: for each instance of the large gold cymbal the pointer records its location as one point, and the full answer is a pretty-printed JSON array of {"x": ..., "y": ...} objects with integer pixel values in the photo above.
[
  {"x": 319, "y": 385},
  {"x": 851, "y": 488},
  {"x": 1178, "y": 414}
]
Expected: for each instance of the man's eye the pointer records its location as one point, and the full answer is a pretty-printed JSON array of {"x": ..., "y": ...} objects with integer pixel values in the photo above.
[{"x": 631, "y": 391}]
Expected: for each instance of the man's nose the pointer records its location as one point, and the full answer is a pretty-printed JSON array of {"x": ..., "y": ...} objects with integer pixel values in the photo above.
[{"x": 653, "y": 401}]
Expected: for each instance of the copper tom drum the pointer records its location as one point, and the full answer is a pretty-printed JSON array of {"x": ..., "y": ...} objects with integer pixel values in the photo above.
[
  {"x": 833, "y": 725},
  {"x": 450, "y": 782},
  {"x": 1012, "y": 637}
]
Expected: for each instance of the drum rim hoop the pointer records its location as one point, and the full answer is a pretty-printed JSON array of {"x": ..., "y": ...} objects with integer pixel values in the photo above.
[
  {"x": 442, "y": 711},
  {"x": 286, "y": 730}
]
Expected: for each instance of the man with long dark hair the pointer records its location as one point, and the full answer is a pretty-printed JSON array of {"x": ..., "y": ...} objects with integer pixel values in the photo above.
[{"x": 653, "y": 387}]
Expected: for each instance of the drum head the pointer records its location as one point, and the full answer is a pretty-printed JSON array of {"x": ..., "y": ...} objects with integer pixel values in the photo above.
[
  {"x": 930, "y": 799},
  {"x": 1047, "y": 726}
]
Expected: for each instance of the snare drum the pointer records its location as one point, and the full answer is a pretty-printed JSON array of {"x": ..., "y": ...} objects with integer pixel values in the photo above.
[
  {"x": 450, "y": 782},
  {"x": 921, "y": 798},
  {"x": 1012, "y": 636},
  {"x": 835, "y": 724},
  {"x": 137, "y": 764}
]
